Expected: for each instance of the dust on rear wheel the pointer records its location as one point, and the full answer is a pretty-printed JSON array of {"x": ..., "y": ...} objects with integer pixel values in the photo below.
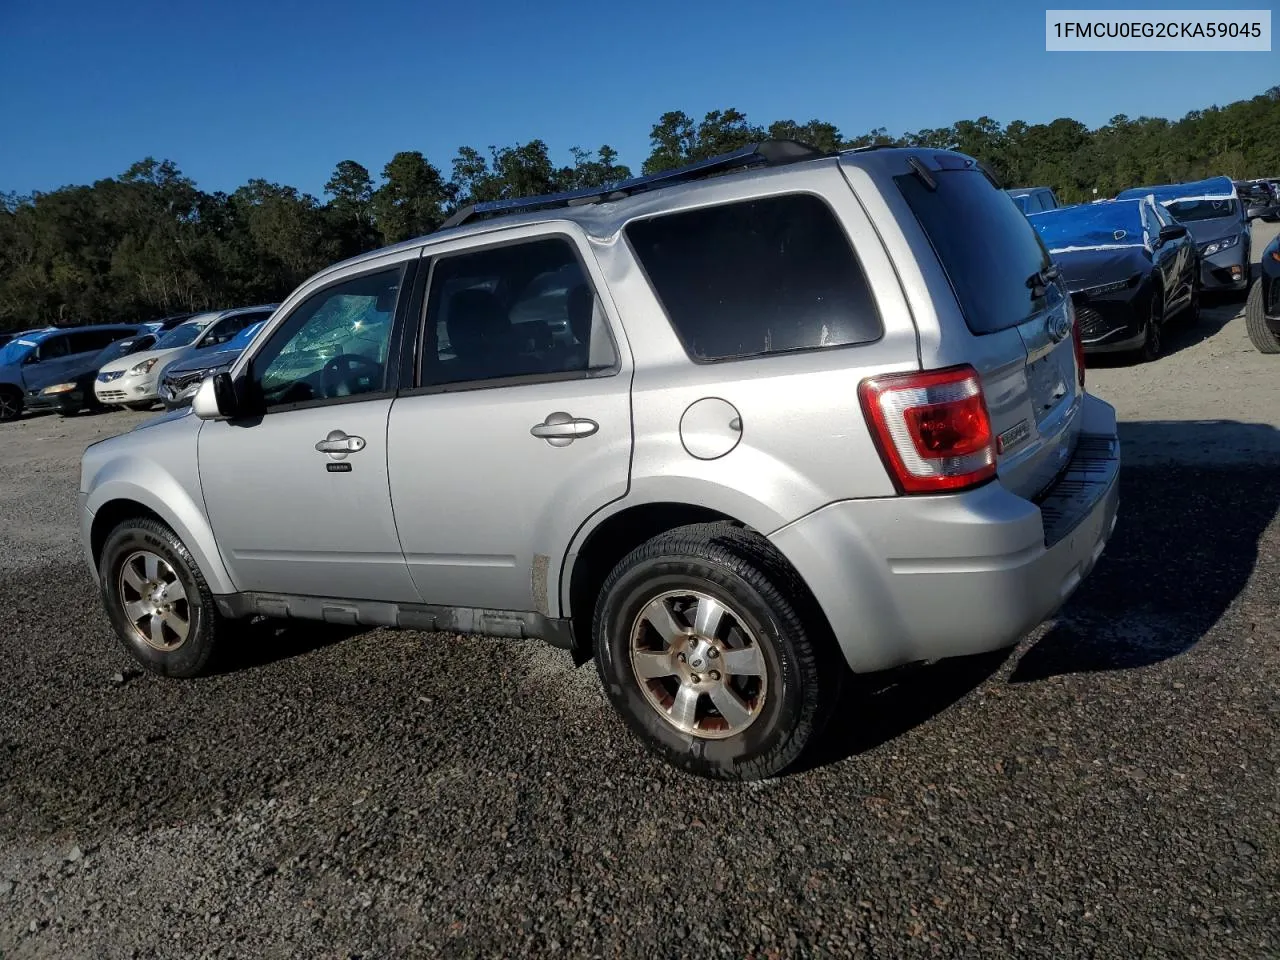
[{"x": 706, "y": 643}]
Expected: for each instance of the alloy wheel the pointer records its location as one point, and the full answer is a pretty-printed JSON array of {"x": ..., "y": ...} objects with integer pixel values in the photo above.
[
  {"x": 154, "y": 601},
  {"x": 698, "y": 665}
]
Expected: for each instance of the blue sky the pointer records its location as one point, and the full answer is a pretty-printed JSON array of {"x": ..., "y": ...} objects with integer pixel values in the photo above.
[{"x": 284, "y": 90}]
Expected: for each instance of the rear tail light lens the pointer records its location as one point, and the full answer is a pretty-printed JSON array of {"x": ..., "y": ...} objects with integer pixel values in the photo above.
[
  {"x": 1077, "y": 340},
  {"x": 932, "y": 428}
]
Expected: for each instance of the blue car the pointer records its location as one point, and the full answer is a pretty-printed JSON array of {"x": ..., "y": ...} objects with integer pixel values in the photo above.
[
  {"x": 1211, "y": 210},
  {"x": 33, "y": 361},
  {"x": 180, "y": 379}
]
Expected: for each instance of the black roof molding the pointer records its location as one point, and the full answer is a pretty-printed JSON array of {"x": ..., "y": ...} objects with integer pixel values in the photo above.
[{"x": 770, "y": 153}]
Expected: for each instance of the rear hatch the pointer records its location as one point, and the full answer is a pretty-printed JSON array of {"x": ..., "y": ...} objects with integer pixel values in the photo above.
[{"x": 1020, "y": 320}]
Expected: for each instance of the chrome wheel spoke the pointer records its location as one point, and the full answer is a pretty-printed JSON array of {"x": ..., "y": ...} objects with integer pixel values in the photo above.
[
  {"x": 154, "y": 601},
  {"x": 650, "y": 665},
  {"x": 706, "y": 622},
  {"x": 735, "y": 712},
  {"x": 746, "y": 662},
  {"x": 132, "y": 577},
  {"x": 179, "y": 626},
  {"x": 696, "y": 661},
  {"x": 684, "y": 711},
  {"x": 660, "y": 617}
]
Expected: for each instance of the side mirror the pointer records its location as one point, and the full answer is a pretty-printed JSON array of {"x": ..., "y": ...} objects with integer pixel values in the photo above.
[
  {"x": 1172, "y": 231},
  {"x": 215, "y": 398}
]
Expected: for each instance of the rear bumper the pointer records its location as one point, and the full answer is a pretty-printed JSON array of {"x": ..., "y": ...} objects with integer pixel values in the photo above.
[{"x": 903, "y": 579}]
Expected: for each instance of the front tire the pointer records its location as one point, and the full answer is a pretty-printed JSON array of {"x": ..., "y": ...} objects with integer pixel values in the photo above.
[
  {"x": 1262, "y": 337},
  {"x": 157, "y": 599},
  {"x": 714, "y": 653},
  {"x": 1153, "y": 337}
]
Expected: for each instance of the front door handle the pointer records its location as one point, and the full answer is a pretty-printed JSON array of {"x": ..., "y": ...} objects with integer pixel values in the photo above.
[
  {"x": 561, "y": 429},
  {"x": 338, "y": 444}
]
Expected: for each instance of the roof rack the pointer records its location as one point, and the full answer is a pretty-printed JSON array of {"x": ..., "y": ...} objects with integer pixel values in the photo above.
[{"x": 769, "y": 153}]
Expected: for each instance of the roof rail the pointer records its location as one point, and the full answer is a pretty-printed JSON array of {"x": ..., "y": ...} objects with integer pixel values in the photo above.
[
  {"x": 770, "y": 153},
  {"x": 872, "y": 146}
]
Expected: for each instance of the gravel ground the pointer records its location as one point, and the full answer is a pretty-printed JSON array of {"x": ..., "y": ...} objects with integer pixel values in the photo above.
[{"x": 1107, "y": 789}]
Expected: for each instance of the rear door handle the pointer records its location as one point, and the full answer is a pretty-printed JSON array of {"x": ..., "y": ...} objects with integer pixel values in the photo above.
[
  {"x": 560, "y": 429},
  {"x": 338, "y": 444}
]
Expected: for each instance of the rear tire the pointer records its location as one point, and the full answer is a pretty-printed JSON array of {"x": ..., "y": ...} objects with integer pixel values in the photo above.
[
  {"x": 10, "y": 404},
  {"x": 1263, "y": 338},
  {"x": 703, "y": 597},
  {"x": 158, "y": 601}
]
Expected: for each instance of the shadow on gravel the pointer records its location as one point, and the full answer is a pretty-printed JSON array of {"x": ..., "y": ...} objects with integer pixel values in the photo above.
[
  {"x": 258, "y": 642},
  {"x": 1183, "y": 549},
  {"x": 1180, "y": 333},
  {"x": 880, "y": 707}
]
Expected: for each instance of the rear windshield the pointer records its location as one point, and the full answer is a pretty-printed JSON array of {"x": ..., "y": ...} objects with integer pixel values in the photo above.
[
  {"x": 1189, "y": 211},
  {"x": 757, "y": 277},
  {"x": 985, "y": 244}
]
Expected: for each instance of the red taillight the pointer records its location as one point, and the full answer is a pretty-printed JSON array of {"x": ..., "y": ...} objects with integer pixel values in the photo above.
[
  {"x": 1077, "y": 339},
  {"x": 932, "y": 428}
]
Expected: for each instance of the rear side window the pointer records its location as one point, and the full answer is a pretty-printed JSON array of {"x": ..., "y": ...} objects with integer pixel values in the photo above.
[
  {"x": 757, "y": 277},
  {"x": 988, "y": 249}
]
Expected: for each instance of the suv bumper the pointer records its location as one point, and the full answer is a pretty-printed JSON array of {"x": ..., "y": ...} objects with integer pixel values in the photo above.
[{"x": 905, "y": 579}]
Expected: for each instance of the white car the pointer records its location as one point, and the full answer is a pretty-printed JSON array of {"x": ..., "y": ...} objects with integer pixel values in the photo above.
[{"x": 134, "y": 381}]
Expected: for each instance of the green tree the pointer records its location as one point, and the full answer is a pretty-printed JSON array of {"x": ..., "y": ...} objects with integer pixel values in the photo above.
[{"x": 412, "y": 198}]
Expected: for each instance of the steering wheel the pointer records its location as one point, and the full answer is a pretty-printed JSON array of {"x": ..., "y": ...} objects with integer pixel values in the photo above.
[{"x": 346, "y": 370}]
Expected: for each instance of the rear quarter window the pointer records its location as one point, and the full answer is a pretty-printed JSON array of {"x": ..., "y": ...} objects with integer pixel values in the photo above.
[
  {"x": 987, "y": 247},
  {"x": 757, "y": 277}
]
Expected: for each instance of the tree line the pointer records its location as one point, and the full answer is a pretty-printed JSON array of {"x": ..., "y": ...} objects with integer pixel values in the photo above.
[{"x": 149, "y": 242}]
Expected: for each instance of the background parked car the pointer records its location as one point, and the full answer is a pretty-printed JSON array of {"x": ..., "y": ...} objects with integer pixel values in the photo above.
[
  {"x": 1128, "y": 267},
  {"x": 168, "y": 323},
  {"x": 135, "y": 381},
  {"x": 1212, "y": 212},
  {"x": 182, "y": 377},
  {"x": 1034, "y": 199},
  {"x": 69, "y": 389},
  {"x": 46, "y": 356},
  {"x": 1262, "y": 311},
  {"x": 1261, "y": 200},
  {"x": 9, "y": 335}
]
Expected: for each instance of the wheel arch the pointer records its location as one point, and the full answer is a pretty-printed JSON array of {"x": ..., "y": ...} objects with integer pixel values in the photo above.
[
  {"x": 163, "y": 499},
  {"x": 613, "y": 533}
]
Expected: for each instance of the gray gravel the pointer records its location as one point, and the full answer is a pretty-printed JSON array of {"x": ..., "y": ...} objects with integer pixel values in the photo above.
[{"x": 1107, "y": 789}]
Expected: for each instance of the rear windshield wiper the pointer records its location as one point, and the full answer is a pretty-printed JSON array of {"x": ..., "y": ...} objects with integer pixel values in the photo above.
[
  {"x": 1040, "y": 280},
  {"x": 922, "y": 174}
]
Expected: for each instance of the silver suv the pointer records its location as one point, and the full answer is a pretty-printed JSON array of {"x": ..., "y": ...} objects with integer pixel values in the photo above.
[{"x": 735, "y": 435}]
